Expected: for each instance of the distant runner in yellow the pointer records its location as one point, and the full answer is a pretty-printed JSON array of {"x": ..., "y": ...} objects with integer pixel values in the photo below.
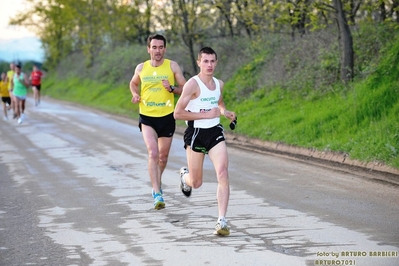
[
  {"x": 9, "y": 77},
  {"x": 5, "y": 95}
]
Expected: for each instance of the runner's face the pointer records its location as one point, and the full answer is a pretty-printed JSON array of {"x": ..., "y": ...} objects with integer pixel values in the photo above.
[
  {"x": 207, "y": 63},
  {"x": 156, "y": 50}
]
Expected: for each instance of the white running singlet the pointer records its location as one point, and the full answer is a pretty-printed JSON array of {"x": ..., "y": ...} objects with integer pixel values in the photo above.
[{"x": 207, "y": 100}]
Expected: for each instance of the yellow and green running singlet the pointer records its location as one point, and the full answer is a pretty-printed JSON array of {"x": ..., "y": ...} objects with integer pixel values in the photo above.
[{"x": 156, "y": 101}]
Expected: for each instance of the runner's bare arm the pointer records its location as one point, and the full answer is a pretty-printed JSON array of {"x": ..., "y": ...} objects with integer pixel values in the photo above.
[{"x": 135, "y": 83}]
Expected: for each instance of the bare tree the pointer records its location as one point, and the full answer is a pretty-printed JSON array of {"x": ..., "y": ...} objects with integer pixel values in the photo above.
[{"x": 346, "y": 43}]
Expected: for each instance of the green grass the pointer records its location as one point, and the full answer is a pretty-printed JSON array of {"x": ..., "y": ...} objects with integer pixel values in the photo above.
[
  {"x": 110, "y": 98},
  {"x": 360, "y": 119},
  {"x": 361, "y": 122}
]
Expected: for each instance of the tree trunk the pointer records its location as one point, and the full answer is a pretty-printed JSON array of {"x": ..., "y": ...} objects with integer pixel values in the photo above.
[
  {"x": 346, "y": 43},
  {"x": 225, "y": 10},
  {"x": 187, "y": 35},
  {"x": 395, "y": 5},
  {"x": 383, "y": 13}
]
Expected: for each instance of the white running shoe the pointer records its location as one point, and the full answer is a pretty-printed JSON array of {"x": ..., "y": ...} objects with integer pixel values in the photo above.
[
  {"x": 221, "y": 227},
  {"x": 20, "y": 120},
  {"x": 5, "y": 118},
  {"x": 186, "y": 189}
]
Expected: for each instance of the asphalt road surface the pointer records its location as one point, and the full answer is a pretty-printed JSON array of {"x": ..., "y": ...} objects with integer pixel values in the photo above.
[{"x": 74, "y": 190}]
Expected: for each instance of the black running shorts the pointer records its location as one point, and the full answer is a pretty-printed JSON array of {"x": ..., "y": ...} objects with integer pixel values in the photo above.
[
  {"x": 203, "y": 139},
  {"x": 37, "y": 86},
  {"x": 6, "y": 100},
  {"x": 164, "y": 126}
]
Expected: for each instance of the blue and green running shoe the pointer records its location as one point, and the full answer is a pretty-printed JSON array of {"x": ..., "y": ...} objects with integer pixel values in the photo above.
[{"x": 159, "y": 203}]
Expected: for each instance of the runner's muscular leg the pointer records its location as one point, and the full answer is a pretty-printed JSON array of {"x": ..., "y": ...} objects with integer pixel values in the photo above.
[
  {"x": 23, "y": 106},
  {"x": 151, "y": 141},
  {"x": 4, "y": 108},
  {"x": 17, "y": 107},
  {"x": 195, "y": 163},
  {"x": 219, "y": 158},
  {"x": 164, "y": 144}
]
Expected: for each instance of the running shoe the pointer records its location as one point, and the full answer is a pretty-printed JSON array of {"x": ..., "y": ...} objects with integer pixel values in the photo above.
[
  {"x": 186, "y": 189},
  {"x": 21, "y": 118},
  {"x": 5, "y": 118},
  {"x": 159, "y": 203},
  {"x": 153, "y": 193},
  {"x": 221, "y": 227}
]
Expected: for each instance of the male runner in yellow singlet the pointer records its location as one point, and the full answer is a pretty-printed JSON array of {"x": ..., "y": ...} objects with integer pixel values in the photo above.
[{"x": 153, "y": 86}]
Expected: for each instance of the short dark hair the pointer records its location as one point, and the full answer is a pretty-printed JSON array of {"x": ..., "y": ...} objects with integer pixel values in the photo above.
[
  {"x": 156, "y": 37},
  {"x": 207, "y": 50}
]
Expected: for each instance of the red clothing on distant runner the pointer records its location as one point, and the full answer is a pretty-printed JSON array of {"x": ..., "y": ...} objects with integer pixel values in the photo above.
[{"x": 36, "y": 77}]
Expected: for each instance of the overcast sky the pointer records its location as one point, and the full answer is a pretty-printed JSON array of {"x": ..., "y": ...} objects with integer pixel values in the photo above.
[{"x": 17, "y": 43}]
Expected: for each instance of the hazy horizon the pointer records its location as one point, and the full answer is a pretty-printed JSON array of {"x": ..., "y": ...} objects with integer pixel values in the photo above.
[{"x": 22, "y": 49}]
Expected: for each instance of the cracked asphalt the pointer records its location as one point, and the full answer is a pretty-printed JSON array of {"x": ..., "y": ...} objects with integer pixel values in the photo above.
[{"x": 74, "y": 190}]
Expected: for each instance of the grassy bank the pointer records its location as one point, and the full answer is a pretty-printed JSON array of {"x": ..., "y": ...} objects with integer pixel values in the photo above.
[{"x": 360, "y": 120}]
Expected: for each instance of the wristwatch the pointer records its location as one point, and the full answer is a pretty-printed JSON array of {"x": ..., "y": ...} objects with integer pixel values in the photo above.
[{"x": 172, "y": 88}]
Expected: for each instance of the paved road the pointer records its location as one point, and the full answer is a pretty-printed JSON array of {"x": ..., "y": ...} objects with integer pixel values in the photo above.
[{"x": 74, "y": 190}]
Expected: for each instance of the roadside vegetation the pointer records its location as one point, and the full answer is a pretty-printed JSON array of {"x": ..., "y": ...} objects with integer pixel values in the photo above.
[
  {"x": 317, "y": 74},
  {"x": 360, "y": 119}
]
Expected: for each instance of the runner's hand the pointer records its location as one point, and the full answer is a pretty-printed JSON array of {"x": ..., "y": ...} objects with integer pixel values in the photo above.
[{"x": 136, "y": 98}]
